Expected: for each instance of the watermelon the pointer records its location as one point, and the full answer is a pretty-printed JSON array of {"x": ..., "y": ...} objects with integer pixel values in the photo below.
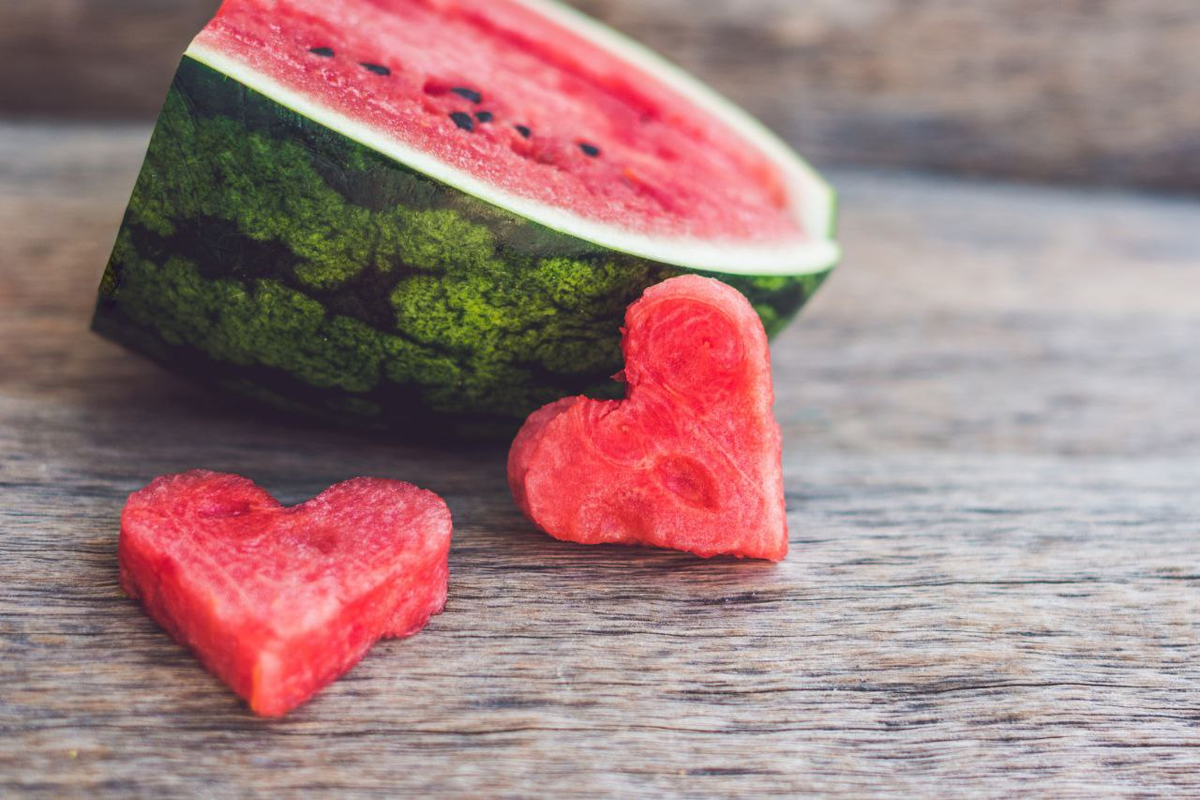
[
  {"x": 278, "y": 602},
  {"x": 690, "y": 459},
  {"x": 430, "y": 215}
]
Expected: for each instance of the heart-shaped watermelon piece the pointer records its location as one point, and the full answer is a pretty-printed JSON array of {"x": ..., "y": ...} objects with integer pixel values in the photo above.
[
  {"x": 690, "y": 459},
  {"x": 278, "y": 602}
]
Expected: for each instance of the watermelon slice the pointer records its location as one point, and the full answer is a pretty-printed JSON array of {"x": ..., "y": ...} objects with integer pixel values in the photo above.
[
  {"x": 278, "y": 602},
  {"x": 431, "y": 214},
  {"x": 690, "y": 459}
]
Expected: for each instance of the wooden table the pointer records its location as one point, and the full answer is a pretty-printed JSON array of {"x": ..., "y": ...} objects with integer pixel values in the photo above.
[{"x": 993, "y": 476}]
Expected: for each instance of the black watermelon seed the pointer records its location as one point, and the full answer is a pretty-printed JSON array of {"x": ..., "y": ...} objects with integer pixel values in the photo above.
[
  {"x": 524, "y": 131},
  {"x": 484, "y": 116},
  {"x": 463, "y": 120},
  {"x": 323, "y": 52},
  {"x": 589, "y": 149},
  {"x": 376, "y": 68},
  {"x": 468, "y": 94}
]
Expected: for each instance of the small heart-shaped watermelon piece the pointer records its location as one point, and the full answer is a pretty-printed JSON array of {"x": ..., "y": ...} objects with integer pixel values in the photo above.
[
  {"x": 690, "y": 459},
  {"x": 278, "y": 602}
]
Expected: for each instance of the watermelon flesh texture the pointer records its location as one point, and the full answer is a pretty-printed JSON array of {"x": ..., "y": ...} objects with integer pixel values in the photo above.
[
  {"x": 690, "y": 459},
  {"x": 341, "y": 215},
  {"x": 278, "y": 602},
  {"x": 531, "y": 108}
]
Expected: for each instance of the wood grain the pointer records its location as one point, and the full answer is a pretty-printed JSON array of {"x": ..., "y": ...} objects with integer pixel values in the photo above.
[
  {"x": 993, "y": 476},
  {"x": 106, "y": 59},
  {"x": 1095, "y": 91}
]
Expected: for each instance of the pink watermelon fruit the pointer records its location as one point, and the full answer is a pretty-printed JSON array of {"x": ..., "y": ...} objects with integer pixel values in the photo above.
[
  {"x": 278, "y": 602},
  {"x": 690, "y": 459},
  {"x": 430, "y": 215}
]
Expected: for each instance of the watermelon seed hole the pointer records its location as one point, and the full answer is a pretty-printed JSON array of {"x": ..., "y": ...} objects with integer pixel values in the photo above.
[
  {"x": 225, "y": 509},
  {"x": 689, "y": 480},
  {"x": 324, "y": 542}
]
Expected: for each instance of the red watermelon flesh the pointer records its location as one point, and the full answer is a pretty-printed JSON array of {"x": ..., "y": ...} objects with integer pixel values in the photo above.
[
  {"x": 507, "y": 92},
  {"x": 690, "y": 459},
  {"x": 278, "y": 602}
]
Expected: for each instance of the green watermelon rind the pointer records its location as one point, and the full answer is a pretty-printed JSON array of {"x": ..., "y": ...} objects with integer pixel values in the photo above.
[{"x": 264, "y": 252}]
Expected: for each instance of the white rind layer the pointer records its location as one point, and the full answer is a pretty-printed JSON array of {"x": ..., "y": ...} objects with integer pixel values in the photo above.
[{"x": 813, "y": 198}]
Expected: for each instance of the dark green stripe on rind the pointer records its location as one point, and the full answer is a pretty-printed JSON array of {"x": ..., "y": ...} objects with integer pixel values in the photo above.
[{"x": 270, "y": 255}]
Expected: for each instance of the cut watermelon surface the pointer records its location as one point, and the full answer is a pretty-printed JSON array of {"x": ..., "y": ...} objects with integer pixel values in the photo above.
[
  {"x": 690, "y": 459},
  {"x": 278, "y": 602},
  {"x": 431, "y": 214},
  {"x": 522, "y": 104}
]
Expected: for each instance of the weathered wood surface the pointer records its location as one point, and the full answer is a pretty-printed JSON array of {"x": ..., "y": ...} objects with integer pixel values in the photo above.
[
  {"x": 993, "y": 475},
  {"x": 1084, "y": 90}
]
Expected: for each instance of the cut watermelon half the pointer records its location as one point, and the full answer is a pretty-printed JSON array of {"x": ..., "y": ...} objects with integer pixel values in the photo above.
[
  {"x": 398, "y": 210},
  {"x": 278, "y": 602}
]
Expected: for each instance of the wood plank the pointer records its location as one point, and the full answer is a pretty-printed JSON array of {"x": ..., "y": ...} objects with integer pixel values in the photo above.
[
  {"x": 1082, "y": 90},
  {"x": 992, "y": 469},
  {"x": 106, "y": 59}
]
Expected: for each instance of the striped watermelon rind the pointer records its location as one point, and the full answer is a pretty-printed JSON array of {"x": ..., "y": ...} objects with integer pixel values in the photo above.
[{"x": 265, "y": 252}]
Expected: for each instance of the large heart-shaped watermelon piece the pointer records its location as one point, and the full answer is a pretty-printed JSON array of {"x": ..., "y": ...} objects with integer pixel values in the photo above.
[
  {"x": 276, "y": 601},
  {"x": 690, "y": 459}
]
